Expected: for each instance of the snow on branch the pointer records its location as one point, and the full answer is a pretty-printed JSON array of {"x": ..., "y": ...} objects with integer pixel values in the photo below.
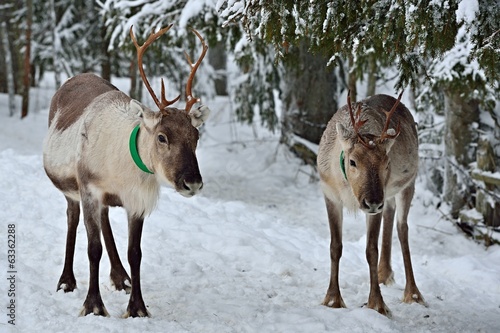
[{"x": 147, "y": 16}]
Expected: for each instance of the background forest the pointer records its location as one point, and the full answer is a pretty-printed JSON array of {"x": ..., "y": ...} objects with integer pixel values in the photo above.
[{"x": 290, "y": 64}]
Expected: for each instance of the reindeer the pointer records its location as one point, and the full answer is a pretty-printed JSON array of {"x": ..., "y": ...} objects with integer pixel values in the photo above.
[
  {"x": 105, "y": 149},
  {"x": 364, "y": 163}
]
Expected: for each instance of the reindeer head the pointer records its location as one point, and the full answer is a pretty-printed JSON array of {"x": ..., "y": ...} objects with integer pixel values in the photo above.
[
  {"x": 172, "y": 133},
  {"x": 364, "y": 158}
]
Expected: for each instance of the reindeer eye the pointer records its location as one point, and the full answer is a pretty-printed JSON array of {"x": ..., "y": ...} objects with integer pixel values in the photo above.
[
  {"x": 352, "y": 163},
  {"x": 162, "y": 138}
]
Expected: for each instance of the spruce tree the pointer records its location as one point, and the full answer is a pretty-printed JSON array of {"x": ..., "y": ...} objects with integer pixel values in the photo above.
[{"x": 448, "y": 52}]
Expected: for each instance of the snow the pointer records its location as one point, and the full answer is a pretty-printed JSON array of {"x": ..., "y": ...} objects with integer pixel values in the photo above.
[
  {"x": 232, "y": 9},
  {"x": 467, "y": 11},
  {"x": 249, "y": 254},
  {"x": 190, "y": 10},
  {"x": 487, "y": 119},
  {"x": 472, "y": 214},
  {"x": 443, "y": 68}
]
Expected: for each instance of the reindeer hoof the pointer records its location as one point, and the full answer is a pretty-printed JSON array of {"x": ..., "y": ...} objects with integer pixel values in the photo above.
[
  {"x": 334, "y": 302},
  {"x": 136, "y": 309},
  {"x": 386, "y": 277},
  {"x": 67, "y": 283},
  {"x": 94, "y": 306},
  {"x": 385, "y": 311},
  {"x": 96, "y": 310},
  {"x": 381, "y": 308},
  {"x": 121, "y": 281},
  {"x": 414, "y": 297},
  {"x": 140, "y": 314}
]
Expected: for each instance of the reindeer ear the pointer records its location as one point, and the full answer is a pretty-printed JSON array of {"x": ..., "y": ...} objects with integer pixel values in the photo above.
[
  {"x": 148, "y": 116},
  {"x": 136, "y": 107},
  {"x": 344, "y": 136},
  {"x": 387, "y": 144},
  {"x": 199, "y": 115}
]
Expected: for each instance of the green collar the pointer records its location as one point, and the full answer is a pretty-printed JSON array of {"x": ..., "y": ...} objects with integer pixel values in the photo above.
[
  {"x": 134, "y": 152},
  {"x": 342, "y": 164}
]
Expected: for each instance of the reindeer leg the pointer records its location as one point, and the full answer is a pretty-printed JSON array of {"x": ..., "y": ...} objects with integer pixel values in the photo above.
[
  {"x": 91, "y": 215},
  {"x": 67, "y": 281},
  {"x": 385, "y": 273},
  {"x": 403, "y": 202},
  {"x": 375, "y": 300},
  {"x": 119, "y": 277},
  {"x": 136, "y": 306},
  {"x": 333, "y": 297}
]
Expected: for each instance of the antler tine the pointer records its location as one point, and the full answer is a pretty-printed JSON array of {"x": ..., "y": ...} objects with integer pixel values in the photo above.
[
  {"x": 356, "y": 122},
  {"x": 141, "y": 49},
  {"x": 165, "y": 102},
  {"x": 351, "y": 114},
  {"x": 388, "y": 115},
  {"x": 190, "y": 99}
]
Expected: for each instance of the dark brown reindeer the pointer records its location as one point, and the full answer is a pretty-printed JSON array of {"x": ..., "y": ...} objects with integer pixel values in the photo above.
[
  {"x": 369, "y": 161},
  {"x": 105, "y": 149}
]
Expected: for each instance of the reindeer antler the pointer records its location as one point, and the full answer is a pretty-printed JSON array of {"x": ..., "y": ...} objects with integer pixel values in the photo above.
[
  {"x": 140, "y": 52},
  {"x": 388, "y": 116},
  {"x": 190, "y": 99},
  {"x": 356, "y": 121}
]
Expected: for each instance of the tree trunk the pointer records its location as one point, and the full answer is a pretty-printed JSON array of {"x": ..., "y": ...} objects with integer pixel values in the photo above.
[
  {"x": 106, "y": 57},
  {"x": 217, "y": 58},
  {"x": 309, "y": 96},
  {"x": 485, "y": 204},
  {"x": 27, "y": 60},
  {"x": 133, "y": 80},
  {"x": 371, "y": 85},
  {"x": 460, "y": 116},
  {"x": 55, "y": 44},
  {"x": 9, "y": 69},
  {"x": 351, "y": 80}
]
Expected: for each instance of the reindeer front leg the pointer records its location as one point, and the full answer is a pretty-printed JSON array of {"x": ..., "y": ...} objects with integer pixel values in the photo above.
[
  {"x": 91, "y": 215},
  {"x": 385, "y": 272},
  {"x": 403, "y": 202},
  {"x": 375, "y": 300},
  {"x": 136, "y": 306},
  {"x": 333, "y": 297}
]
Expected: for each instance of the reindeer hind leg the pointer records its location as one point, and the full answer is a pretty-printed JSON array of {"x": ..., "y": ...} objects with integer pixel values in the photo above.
[
  {"x": 118, "y": 275},
  {"x": 67, "y": 281},
  {"x": 92, "y": 216}
]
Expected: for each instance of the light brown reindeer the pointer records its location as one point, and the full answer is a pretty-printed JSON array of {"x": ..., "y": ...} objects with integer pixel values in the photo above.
[
  {"x": 105, "y": 149},
  {"x": 369, "y": 161}
]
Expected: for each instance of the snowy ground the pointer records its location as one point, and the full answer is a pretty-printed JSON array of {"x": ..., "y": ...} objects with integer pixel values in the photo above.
[{"x": 249, "y": 254}]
